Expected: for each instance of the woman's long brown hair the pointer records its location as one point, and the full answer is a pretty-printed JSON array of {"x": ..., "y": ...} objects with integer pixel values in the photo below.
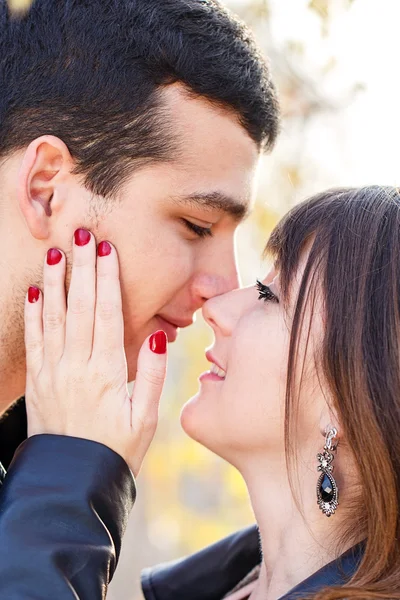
[{"x": 354, "y": 241}]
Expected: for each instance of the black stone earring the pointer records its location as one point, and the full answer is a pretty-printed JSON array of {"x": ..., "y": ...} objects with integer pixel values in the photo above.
[{"x": 327, "y": 490}]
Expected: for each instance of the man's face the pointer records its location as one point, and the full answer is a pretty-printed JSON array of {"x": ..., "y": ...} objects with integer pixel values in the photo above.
[{"x": 175, "y": 223}]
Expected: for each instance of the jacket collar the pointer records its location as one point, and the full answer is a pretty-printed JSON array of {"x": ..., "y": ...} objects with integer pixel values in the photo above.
[{"x": 213, "y": 572}]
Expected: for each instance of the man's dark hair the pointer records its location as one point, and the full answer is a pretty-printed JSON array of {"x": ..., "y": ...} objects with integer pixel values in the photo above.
[{"x": 90, "y": 72}]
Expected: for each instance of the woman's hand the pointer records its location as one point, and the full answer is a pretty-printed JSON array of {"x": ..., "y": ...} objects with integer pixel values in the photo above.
[{"x": 76, "y": 381}]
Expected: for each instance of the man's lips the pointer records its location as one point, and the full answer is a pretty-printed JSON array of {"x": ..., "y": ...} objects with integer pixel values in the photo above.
[{"x": 171, "y": 326}]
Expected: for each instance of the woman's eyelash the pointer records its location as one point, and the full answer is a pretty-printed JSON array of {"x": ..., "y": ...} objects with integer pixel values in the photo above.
[
  {"x": 202, "y": 232},
  {"x": 265, "y": 293}
]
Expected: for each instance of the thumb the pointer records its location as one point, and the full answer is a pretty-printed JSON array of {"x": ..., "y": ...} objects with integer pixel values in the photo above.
[{"x": 150, "y": 377}]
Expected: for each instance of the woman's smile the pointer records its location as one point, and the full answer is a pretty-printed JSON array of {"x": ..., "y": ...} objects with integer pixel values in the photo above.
[{"x": 215, "y": 373}]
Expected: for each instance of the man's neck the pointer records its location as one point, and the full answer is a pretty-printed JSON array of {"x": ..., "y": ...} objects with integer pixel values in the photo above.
[
  {"x": 12, "y": 351},
  {"x": 12, "y": 386},
  {"x": 16, "y": 274}
]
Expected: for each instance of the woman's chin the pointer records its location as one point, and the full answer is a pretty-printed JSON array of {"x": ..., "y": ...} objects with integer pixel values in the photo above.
[
  {"x": 188, "y": 418},
  {"x": 200, "y": 422},
  {"x": 195, "y": 419}
]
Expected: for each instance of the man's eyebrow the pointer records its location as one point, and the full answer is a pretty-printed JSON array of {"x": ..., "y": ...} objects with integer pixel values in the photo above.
[{"x": 216, "y": 201}]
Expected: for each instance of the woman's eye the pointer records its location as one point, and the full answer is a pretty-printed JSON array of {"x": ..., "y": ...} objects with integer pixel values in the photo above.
[
  {"x": 201, "y": 232},
  {"x": 265, "y": 293}
]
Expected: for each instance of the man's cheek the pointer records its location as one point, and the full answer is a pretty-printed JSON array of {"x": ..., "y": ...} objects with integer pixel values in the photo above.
[{"x": 181, "y": 267}]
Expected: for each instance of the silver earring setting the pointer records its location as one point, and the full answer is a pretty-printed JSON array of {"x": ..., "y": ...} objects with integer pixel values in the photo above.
[{"x": 327, "y": 490}]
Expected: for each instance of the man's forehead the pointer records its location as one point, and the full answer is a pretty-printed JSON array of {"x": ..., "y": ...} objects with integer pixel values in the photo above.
[{"x": 203, "y": 128}]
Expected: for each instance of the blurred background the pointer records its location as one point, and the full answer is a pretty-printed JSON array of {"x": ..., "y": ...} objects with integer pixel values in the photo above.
[{"x": 335, "y": 63}]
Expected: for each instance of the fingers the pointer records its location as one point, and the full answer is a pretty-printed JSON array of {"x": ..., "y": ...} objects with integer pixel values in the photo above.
[
  {"x": 34, "y": 329},
  {"x": 89, "y": 399},
  {"x": 109, "y": 324},
  {"x": 54, "y": 305},
  {"x": 81, "y": 297},
  {"x": 150, "y": 377}
]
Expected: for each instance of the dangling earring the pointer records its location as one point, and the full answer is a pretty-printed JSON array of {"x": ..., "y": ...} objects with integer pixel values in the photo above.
[{"x": 327, "y": 490}]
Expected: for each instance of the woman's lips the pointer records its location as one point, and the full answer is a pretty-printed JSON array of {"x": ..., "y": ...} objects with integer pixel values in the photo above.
[
  {"x": 209, "y": 376},
  {"x": 216, "y": 373}
]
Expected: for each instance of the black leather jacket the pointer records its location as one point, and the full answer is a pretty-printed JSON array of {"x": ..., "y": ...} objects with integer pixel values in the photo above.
[
  {"x": 64, "y": 505},
  {"x": 214, "y": 572}
]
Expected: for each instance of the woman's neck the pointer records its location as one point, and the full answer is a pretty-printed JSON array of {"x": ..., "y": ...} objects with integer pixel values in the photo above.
[{"x": 294, "y": 545}]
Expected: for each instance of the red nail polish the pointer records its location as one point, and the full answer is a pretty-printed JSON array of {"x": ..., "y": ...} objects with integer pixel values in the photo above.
[
  {"x": 158, "y": 342},
  {"x": 82, "y": 237},
  {"x": 53, "y": 256},
  {"x": 104, "y": 249},
  {"x": 33, "y": 294}
]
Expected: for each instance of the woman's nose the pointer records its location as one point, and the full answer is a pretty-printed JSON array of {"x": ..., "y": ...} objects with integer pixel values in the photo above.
[{"x": 223, "y": 312}]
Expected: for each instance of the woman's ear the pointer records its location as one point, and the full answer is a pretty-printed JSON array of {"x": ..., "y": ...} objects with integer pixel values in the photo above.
[
  {"x": 329, "y": 420},
  {"x": 46, "y": 163}
]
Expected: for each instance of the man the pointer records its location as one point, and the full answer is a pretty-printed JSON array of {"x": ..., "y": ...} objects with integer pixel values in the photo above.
[{"x": 142, "y": 121}]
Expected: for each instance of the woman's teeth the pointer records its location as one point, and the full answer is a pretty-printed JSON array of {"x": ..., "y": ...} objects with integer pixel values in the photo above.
[{"x": 217, "y": 371}]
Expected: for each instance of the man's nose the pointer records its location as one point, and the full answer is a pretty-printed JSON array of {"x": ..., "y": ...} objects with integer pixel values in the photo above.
[{"x": 219, "y": 278}]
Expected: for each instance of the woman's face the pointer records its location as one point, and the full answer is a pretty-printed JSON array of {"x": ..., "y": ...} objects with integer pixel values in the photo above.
[{"x": 239, "y": 409}]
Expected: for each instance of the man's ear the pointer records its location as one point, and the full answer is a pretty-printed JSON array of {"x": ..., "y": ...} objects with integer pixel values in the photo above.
[{"x": 46, "y": 164}]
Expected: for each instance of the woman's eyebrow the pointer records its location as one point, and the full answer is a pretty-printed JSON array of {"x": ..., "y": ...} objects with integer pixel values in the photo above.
[{"x": 238, "y": 210}]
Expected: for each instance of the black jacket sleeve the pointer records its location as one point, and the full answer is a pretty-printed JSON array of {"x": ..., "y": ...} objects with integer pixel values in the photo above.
[{"x": 64, "y": 505}]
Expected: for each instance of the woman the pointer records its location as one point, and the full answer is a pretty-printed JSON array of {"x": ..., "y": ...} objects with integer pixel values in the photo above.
[{"x": 303, "y": 399}]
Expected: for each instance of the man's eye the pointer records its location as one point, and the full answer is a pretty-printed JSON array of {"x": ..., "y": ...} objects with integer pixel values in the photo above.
[
  {"x": 265, "y": 293},
  {"x": 201, "y": 232}
]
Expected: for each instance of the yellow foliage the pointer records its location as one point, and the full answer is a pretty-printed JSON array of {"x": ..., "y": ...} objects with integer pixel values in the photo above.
[{"x": 234, "y": 484}]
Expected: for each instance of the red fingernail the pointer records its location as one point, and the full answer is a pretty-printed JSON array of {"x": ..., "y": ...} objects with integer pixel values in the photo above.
[
  {"x": 82, "y": 237},
  {"x": 104, "y": 249},
  {"x": 33, "y": 294},
  {"x": 158, "y": 342},
  {"x": 53, "y": 256}
]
